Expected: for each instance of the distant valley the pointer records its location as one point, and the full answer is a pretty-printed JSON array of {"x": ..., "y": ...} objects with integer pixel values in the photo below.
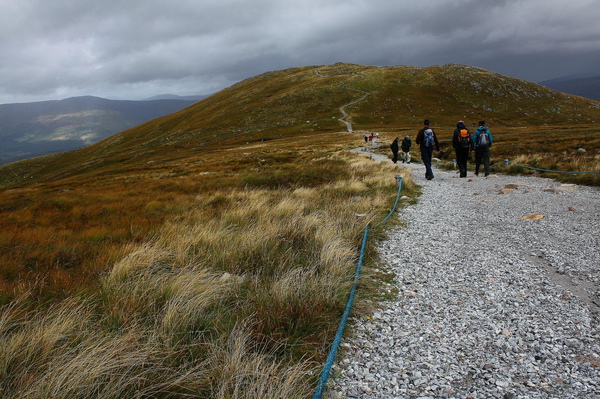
[
  {"x": 583, "y": 86},
  {"x": 29, "y": 130}
]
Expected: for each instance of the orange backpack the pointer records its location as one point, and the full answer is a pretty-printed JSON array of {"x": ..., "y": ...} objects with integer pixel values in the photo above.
[{"x": 464, "y": 138}]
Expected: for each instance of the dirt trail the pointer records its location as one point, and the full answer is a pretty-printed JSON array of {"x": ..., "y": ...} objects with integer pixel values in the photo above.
[
  {"x": 343, "y": 109},
  {"x": 345, "y": 115}
]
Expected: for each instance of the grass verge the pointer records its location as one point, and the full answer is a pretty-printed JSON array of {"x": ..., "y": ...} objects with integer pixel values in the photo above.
[{"x": 238, "y": 299}]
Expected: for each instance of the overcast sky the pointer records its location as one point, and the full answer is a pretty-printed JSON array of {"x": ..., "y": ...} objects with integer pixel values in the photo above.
[{"x": 134, "y": 49}]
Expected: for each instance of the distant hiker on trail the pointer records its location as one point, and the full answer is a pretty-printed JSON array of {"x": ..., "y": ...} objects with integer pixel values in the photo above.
[
  {"x": 482, "y": 141},
  {"x": 406, "y": 144},
  {"x": 394, "y": 147},
  {"x": 426, "y": 139},
  {"x": 461, "y": 141}
]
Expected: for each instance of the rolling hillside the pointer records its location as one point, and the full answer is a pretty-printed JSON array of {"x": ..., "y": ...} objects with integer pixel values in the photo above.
[
  {"x": 123, "y": 188},
  {"x": 306, "y": 100},
  {"x": 33, "y": 129},
  {"x": 210, "y": 252}
]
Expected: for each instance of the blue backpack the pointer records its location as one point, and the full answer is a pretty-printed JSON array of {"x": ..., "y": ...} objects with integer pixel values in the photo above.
[{"x": 428, "y": 138}]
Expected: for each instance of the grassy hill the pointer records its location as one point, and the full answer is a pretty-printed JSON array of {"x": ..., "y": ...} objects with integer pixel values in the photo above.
[
  {"x": 286, "y": 103},
  {"x": 209, "y": 252}
]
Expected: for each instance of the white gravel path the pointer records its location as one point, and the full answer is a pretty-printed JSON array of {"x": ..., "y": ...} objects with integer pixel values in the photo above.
[{"x": 488, "y": 305}]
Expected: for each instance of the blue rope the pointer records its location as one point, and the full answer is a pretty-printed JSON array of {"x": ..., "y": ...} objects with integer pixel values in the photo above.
[
  {"x": 399, "y": 179},
  {"x": 338, "y": 336},
  {"x": 506, "y": 161},
  {"x": 544, "y": 170}
]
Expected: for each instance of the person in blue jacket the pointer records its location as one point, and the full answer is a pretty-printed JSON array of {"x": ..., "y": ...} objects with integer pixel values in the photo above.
[{"x": 482, "y": 141}]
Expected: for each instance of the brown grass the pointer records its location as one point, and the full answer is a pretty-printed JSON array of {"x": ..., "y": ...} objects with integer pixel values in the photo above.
[{"x": 239, "y": 296}]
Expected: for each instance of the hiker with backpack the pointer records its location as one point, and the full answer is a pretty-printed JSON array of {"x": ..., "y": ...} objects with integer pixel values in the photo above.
[
  {"x": 461, "y": 141},
  {"x": 406, "y": 144},
  {"x": 394, "y": 147},
  {"x": 427, "y": 139},
  {"x": 482, "y": 141}
]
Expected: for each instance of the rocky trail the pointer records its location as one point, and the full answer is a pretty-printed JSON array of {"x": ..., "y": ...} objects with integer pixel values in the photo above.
[{"x": 495, "y": 295}]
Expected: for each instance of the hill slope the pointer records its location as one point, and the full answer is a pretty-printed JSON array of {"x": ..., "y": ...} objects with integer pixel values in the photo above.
[
  {"x": 203, "y": 252},
  {"x": 307, "y": 100},
  {"x": 32, "y": 129}
]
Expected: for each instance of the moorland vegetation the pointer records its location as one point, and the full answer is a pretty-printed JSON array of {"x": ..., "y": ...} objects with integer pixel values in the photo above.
[{"x": 209, "y": 253}]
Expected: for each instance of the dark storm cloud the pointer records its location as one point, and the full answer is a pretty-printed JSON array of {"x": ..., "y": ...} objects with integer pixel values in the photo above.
[{"x": 140, "y": 48}]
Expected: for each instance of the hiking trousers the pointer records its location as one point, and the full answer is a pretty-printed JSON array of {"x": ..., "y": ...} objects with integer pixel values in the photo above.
[
  {"x": 426, "y": 155},
  {"x": 462, "y": 157},
  {"x": 482, "y": 156}
]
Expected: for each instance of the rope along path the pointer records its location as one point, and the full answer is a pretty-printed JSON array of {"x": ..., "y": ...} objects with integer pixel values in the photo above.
[
  {"x": 340, "y": 332},
  {"x": 544, "y": 170}
]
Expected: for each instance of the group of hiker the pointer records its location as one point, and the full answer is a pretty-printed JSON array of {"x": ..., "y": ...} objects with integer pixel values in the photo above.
[
  {"x": 405, "y": 146},
  {"x": 462, "y": 141},
  {"x": 371, "y": 137}
]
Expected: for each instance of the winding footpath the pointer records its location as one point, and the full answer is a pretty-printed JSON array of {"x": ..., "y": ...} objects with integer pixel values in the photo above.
[
  {"x": 345, "y": 115},
  {"x": 343, "y": 108},
  {"x": 495, "y": 295}
]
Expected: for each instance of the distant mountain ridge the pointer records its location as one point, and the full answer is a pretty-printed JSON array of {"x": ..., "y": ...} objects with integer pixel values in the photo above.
[
  {"x": 175, "y": 97},
  {"x": 583, "y": 86},
  {"x": 32, "y": 129}
]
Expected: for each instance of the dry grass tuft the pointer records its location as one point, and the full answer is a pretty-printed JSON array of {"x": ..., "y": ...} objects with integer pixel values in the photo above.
[{"x": 238, "y": 297}]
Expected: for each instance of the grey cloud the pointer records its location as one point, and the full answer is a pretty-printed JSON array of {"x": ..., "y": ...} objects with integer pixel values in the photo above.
[{"x": 146, "y": 47}]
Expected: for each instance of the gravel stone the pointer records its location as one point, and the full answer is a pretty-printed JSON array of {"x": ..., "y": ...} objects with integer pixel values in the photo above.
[{"x": 489, "y": 305}]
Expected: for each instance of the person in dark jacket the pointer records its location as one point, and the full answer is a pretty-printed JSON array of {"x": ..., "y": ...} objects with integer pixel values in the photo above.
[
  {"x": 406, "y": 144},
  {"x": 426, "y": 147},
  {"x": 394, "y": 148},
  {"x": 461, "y": 141},
  {"x": 482, "y": 141}
]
